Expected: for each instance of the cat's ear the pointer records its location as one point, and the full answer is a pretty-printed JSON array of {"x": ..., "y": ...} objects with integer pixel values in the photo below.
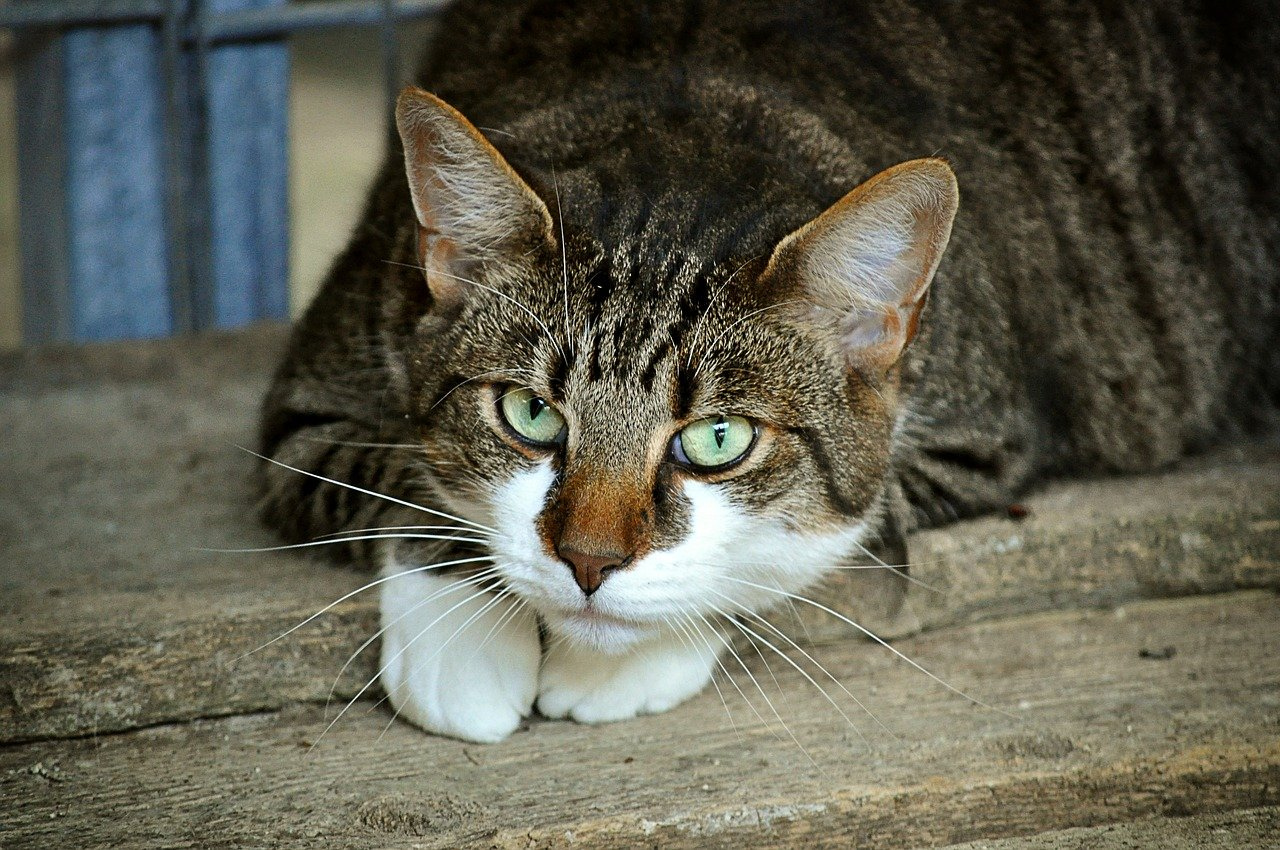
[
  {"x": 866, "y": 263},
  {"x": 470, "y": 204}
]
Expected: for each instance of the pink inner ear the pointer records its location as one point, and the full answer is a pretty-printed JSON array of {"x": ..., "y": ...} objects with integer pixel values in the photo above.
[
  {"x": 436, "y": 255},
  {"x": 872, "y": 256},
  {"x": 876, "y": 337}
]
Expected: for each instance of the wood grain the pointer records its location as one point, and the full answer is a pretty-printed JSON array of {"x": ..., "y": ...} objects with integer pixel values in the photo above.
[{"x": 1083, "y": 731}]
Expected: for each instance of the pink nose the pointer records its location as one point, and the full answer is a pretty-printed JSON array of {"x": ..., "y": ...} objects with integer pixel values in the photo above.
[{"x": 590, "y": 571}]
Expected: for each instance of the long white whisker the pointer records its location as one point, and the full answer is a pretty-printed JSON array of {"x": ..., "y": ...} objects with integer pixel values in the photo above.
[
  {"x": 875, "y": 638},
  {"x": 767, "y": 701},
  {"x": 356, "y": 444},
  {"x": 361, "y": 589},
  {"x": 811, "y": 660},
  {"x": 402, "y": 528},
  {"x": 494, "y": 630},
  {"x": 373, "y": 493},
  {"x": 564, "y": 257},
  {"x": 439, "y": 649},
  {"x": 899, "y": 569},
  {"x": 496, "y": 292},
  {"x": 729, "y": 646},
  {"x": 751, "y": 705},
  {"x": 333, "y": 541},
  {"x": 369, "y": 684},
  {"x": 449, "y": 588},
  {"x": 707, "y": 352},
  {"x": 679, "y": 627},
  {"x": 752, "y": 632},
  {"x": 697, "y": 331}
]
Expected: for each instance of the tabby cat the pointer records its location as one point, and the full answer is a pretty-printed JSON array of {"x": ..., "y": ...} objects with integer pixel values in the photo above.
[{"x": 647, "y": 322}]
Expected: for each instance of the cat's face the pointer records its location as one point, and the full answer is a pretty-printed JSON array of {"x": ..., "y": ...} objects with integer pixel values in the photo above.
[{"x": 657, "y": 439}]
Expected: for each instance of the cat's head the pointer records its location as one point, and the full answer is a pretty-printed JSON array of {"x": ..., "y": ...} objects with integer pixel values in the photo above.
[{"x": 657, "y": 436}]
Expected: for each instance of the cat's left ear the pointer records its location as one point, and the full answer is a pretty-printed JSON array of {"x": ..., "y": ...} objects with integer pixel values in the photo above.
[
  {"x": 866, "y": 263},
  {"x": 470, "y": 203}
]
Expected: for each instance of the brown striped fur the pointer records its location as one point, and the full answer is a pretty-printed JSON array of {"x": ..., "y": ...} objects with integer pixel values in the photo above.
[{"x": 1109, "y": 301}]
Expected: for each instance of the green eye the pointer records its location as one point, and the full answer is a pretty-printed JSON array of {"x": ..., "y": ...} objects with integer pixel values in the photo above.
[
  {"x": 531, "y": 416},
  {"x": 714, "y": 442}
]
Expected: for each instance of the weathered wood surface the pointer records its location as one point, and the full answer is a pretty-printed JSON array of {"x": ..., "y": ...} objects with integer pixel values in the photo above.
[
  {"x": 1258, "y": 829},
  {"x": 120, "y": 462},
  {"x": 1094, "y": 734}
]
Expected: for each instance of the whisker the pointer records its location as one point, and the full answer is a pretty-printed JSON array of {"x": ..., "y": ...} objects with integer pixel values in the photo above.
[
  {"x": 759, "y": 618},
  {"x": 810, "y": 679},
  {"x": 462, "y": 384},
  {"x": 707, "y": 352},
  {"x": 507, "y": 616},
  {"x": 767, "y": 701},
  {"x": 373, "y": 493},
  {"x": 451, "y": 587},
  {"x": 369, "y": 684},
  {"x": 899, "y": 568},
  {"x": 736, "y": 657},
  {"x": 372, "y": 584},
  {"x": 564, "y": 257},
  {"x": 401, "y": 528},
  {"x": 686, "y": 637},
  {"x": 439, "y": 649},
  {"x": 496, "y": 292},
  {"x": 875, "y": 638},
  {"x": 753, "y": 636},
  {"x": 697, "y": 331},
  {"x": 333, "y": 541},
  {"x": 356, "y": 444}
]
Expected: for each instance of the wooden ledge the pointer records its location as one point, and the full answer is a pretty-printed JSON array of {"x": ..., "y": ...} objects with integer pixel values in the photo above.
[{"x": 1092, "y": 732}]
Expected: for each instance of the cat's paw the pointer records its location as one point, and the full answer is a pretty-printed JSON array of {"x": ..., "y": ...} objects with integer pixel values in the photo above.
[
  {"x": 453, "y": 666},
  {"x": 594, "y": 687}
]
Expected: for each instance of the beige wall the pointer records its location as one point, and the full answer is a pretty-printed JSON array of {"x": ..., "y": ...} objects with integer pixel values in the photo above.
[{"x": 337, "y": 139}]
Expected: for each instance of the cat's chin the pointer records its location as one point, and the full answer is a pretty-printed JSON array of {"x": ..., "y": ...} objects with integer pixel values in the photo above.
[{"x": 602, "y": 632}]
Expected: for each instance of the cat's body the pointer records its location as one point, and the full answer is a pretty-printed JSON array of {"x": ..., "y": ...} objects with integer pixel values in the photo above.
[{"x": 1109, "y": 301}]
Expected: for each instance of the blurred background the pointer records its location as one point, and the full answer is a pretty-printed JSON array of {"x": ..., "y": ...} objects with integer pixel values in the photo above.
[{"x": 337, "y": 126}]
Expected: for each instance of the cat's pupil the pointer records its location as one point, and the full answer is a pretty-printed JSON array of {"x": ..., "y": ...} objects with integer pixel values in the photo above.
[
  {"x": 720, "y": 429},
  {"x": 536, "y": 406}
]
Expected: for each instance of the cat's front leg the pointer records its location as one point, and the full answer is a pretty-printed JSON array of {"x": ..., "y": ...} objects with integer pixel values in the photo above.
[
  {"x": 456, "y": 660},
  {"x": 591, "y": 686}
]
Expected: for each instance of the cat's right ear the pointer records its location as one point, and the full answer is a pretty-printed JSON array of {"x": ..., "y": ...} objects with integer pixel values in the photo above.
[
  {"x": 470, "y": 204},
  {"x": 864, "y": 266}
]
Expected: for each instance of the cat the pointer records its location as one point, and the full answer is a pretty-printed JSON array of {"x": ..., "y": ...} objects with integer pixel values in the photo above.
[{"x": 648, "y": 323}]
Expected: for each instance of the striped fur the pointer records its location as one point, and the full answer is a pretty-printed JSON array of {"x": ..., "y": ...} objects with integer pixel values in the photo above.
[{"x": 1109, "y": 301}]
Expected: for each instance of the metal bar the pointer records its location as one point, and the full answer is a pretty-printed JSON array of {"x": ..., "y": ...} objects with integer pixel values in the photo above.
[
  {"x": 65, "y": 14},
  {"x": 199, "y": 216},
  {"x": 261, "y": 23},
  {"x": 177, "y": 166},
  {"x": 42, "y": 212},
  {"x": 239, "y": 25}
]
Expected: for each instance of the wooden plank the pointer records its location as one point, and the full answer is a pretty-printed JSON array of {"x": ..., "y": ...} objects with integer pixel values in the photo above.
[
  {"x": 120, "y": 462},
  {"x": 1094, "y": 734},
  {"x": 1256, "y": 828}
]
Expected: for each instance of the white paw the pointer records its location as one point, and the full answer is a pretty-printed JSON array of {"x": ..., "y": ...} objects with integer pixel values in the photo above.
[
  {"x": 453, "y": 666},
  {"x": 594, "y": 687}
]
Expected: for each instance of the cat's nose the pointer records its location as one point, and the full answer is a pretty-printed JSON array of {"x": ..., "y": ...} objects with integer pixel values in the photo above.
[{"x": 590, "y": 571}]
